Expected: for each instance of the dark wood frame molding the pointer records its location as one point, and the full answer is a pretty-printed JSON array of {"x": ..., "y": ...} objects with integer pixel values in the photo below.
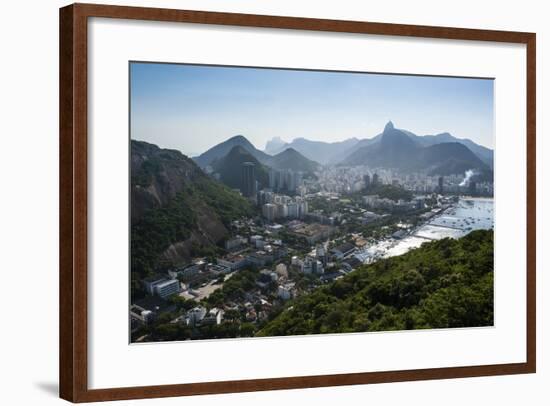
[{"x": 73, "y": 201}]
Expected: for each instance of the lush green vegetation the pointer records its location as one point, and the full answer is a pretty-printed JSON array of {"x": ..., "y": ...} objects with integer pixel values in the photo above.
[
  {"x": 390, "y": 192},
  {"x": 161, "y": 227},
  {"x": 178, "y": 331},
  {"x": 355, "y": 200},
  {"x": 157, "y": 230},
  {"x": 234, "y": 288},
  {"x": 323, "y": 204},
  {"x": 445, "y": 283}
]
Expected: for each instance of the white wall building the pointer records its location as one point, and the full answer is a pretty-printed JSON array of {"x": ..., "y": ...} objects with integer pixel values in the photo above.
[
  {"x": 167, "y": 288},
  {"x": 195, "y": 315},
  {"x": 285, "y": 291}
]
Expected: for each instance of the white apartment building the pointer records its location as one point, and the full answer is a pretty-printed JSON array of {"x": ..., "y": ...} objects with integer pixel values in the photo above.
[{"x": 167, "y": 288}]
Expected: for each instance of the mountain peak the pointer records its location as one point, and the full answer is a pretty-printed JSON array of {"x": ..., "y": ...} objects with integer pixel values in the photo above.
[
  {"x": 238, "y": 139},
  {"x": 292, "y": 159},
  {"x": 274, "y": 145},
  {"x": 220, "y": 150},
  {"x": 239, "y": 150},
  {"x": 389, "y": 126},
  {"x": 289, "y": 150}
]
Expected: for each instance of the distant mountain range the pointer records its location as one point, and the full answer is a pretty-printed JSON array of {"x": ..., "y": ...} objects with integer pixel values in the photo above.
[
  {"x": 440, "y": 154},
  {"x": 274, "y": 146},
  {"x": 288, "y": 158},
  {"x": 483, "y": 153},
  {"x": 328, "y": 153},
  {"x": 402, "y": 150},
  {"x": 293, "y": 160},
  {"x": 323, "y": 152}
]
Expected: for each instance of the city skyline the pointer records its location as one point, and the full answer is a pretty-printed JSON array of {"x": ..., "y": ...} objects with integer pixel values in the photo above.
[{"x": 193, "y": 107}]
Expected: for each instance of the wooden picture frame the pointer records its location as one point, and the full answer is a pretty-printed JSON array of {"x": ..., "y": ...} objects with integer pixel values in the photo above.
[{"x": 74, "y": 201}]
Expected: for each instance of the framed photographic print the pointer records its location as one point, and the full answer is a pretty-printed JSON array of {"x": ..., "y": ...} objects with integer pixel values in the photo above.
[{"x": 256, "y": 202}]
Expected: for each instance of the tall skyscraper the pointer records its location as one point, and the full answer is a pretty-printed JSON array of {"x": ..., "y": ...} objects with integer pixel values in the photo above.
[
  {"x": 440, "y": 185},
  {"x": 366, "y": 179},
  {"x": 375, "y": 179},
  {"x": 248, "y": 180},
  {"x": 273, "y": 178},
  {"x": 269, "y": 211}
]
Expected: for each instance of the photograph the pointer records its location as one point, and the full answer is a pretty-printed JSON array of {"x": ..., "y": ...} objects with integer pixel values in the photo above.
[{"x": 288, "y": 202}]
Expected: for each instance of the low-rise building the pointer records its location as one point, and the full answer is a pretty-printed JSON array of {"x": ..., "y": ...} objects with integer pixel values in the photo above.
[
  {"x": 286, "y": 291},
  {"x": 144, "y": 310},
  {"x": 274, "y": 228},
  {"x": 370, "y": 200},
  {"x": 141, "y": 315},
  {"x": 351, "y": 263},
  {"x": 281, "y": 270},
  {"x": 259, "y": 258},
  {"x": 331, "y": 276},
  {"x": 195, "y": 315},
  {"x": 342, "y": 250},
  {"x": 167, "y": 288},
  {"x": 254, "y": 238},
  {"x": 218, "y": 268},
  {"x": 185, "y": 272},
  {"x": 296, "y": 262},
  {"x": 313, "y": 233},
  {"x": 312, "y": 266},
  {"x": 214, "y": 316},
  {"x": 399, "y": 234},
  {"x": 369, "y": 217},
  {"x": 234, "y": 242},
  {"x": 233, "y": 262},
  {"x": 161, "y": 285},
  {"x": 151, "y": 281}
]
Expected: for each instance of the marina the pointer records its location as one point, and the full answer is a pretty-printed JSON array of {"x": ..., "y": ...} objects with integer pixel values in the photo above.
[{"x": 466, "y": 215}]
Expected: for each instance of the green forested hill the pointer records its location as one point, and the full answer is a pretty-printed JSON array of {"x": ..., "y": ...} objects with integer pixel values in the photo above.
[
  {"x": 445, "y": 283},
  {"x": 293, "y": 160},
  {"x": 230, "y": 168},
  {"x": 177, "y": 210}
]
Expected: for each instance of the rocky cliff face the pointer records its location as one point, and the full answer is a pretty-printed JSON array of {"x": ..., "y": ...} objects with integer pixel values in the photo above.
[
  {"x": 177, "y": 211},
  {"x": 158, "y": 175}
]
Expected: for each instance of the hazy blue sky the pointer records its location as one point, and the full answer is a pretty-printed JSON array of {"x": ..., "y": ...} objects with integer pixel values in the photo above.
[{"x": 192, "y": 108}]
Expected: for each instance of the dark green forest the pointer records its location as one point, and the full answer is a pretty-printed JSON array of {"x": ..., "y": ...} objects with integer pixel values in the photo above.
[
  {"x": 163, "y": 226},
  {"x": 445, "y": 283},
  {"x": 390, "y": 192}
]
